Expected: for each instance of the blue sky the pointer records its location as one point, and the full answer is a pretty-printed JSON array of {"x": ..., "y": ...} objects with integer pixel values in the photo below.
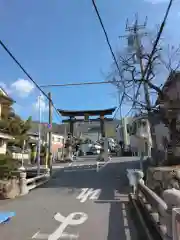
[{"x": 60, "y": 41}]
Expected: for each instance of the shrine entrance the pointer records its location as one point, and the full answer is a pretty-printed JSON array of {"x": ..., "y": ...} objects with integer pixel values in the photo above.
[{"x": 86, "y": 117}]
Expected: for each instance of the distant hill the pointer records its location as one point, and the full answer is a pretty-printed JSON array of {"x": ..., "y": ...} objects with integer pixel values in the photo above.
[{"x": 83, "y": 128}]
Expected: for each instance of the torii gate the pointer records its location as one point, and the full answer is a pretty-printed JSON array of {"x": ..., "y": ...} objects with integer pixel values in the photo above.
[{"x": 87, "y": 114}]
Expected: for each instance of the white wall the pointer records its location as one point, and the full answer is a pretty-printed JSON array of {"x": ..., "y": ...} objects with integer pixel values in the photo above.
[
  {"x": 3, "y": 147},
  {"x": 161, "y": 131},
  {"x": 143, "y": 137},
  {"x": 57, "y": 138}
]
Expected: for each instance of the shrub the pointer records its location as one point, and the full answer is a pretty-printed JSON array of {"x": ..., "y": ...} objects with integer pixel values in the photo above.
[{"x": 7, "y": 166}]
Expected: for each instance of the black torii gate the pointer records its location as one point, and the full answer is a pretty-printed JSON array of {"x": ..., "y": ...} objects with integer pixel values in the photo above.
[{"x": 86, "y": 114}]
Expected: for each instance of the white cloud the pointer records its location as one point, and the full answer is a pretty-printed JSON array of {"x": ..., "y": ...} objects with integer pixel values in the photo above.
[
  {"x": 156, "y": 1},
  {"x": 41, "y": 102},
  {"x": 22, "y": 87}
]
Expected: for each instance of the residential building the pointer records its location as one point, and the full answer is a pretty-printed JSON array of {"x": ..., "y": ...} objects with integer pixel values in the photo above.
[
  {"x": 5, "y": 101},
  {"x": 140, "y": 135},
  {"x": 58, "y": 142},
  {"x": 122, "y": 133},
  {"x": 58, "y": 133}
]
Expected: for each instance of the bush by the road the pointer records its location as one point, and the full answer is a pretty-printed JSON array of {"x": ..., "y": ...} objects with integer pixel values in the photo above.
[{"x": 7, "y": 166}]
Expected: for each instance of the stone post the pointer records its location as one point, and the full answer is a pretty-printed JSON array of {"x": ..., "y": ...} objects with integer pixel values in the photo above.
[
  {"x": 23, "y": 184},
  {"x": 134, "y": 176},
  {"x": 48, "y": 172},
  {"x": 172, "y": 199}
]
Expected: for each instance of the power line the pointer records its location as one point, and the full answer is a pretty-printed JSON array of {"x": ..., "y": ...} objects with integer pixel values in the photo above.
[
  {"x": 26, "y": 73},
  {"x": 76, "y": 84},
  {"x": 110, "y": 47},
  {"x": 106, "y": 36}
]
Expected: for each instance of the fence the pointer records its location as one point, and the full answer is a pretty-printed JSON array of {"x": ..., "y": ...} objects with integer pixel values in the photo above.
[
  {"x": 163, "y": 213},
  {"x": 28, "y": 184}
]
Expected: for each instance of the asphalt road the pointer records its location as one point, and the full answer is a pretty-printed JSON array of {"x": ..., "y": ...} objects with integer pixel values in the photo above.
[{"x": 77, "y": 203}]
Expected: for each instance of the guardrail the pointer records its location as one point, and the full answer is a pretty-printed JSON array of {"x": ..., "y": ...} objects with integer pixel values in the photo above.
[
  {"x": 163, "y": 213},
  {"x": 28, "y": 184}
]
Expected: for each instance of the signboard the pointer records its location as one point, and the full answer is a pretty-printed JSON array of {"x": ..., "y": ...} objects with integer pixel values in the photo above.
[{"x": 176, "y": 223}]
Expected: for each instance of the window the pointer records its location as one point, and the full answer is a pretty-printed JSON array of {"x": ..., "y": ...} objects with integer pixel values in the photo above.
[
  {"x": 134, "y": 128},
  {"x": 128, "y": 127}
]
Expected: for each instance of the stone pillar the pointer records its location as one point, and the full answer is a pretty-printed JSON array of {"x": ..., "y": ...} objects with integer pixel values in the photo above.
[
  {"x": 172, "y": 199},
  {"x": 134, "y": 176},
  {"x": 48, "y": 172},
  {"x": 23, "y": 184}
]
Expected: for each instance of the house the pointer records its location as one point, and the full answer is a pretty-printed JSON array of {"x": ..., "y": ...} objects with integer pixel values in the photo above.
[
  {"x": 140, "y": 135},
  {"x": 58, "y": 133},
  {"x": 5, "y": 101},
  {"x": 58, "y": 142},
  {"x": 122, "y": 133},
  {"x": 169, "y": 102}
]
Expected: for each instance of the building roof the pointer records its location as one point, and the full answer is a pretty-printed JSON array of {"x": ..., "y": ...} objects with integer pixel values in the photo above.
[
  {"x": 72, "y": 113},
  {"x": 90, "y": 120},
  {"x": 173, "y": 77},
  {"x": 5, "y": 136},
  {"x": 4, "y": 95}
]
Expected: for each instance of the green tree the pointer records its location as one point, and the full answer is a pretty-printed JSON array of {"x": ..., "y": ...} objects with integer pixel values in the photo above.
[{"x": 12, "y": 124}]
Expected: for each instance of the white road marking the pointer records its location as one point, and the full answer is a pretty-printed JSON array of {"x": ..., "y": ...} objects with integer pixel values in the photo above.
[
  {"x": 90, "y": 193},
  {"x": 102, "y": 164},
  {"x": 127, "y": 234},
  {"x": 59, "y": 233},
  {"x": 125, "y": 221},
  {"x": 78, "y": 170},
  {"x": 64, "y": 235}
]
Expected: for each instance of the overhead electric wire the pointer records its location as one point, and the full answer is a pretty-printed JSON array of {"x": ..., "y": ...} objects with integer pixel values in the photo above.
[
  {"x": 76, "y": 84},
  {"x": 27, "y": 74},
  {"x": 110, "y": 48},
  {"x": 106, "y": 36}
]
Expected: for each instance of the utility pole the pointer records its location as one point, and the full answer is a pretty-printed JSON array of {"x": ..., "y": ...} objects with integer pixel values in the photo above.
[
  {"x": 39, "y": 137},
  {"x": 134, "y": 41},
  {"x": 50, "y": 134}
]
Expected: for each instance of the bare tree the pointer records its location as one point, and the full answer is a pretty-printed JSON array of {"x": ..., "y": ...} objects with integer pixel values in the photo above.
[{"x": 143, "y": 90}]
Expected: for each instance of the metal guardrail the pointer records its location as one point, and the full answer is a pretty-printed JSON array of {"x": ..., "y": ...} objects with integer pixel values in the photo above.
[{"x": 163, "y": 213}]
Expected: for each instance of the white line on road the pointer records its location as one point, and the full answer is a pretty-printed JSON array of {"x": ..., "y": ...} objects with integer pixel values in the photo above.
[
  {"x": 90, "y": 193},
  {"x": 125, "y": 221},
  {"x": 103, "y": 164},
  {"x": 70, "y": 220},
  {"x": 79, "y": 170}
]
